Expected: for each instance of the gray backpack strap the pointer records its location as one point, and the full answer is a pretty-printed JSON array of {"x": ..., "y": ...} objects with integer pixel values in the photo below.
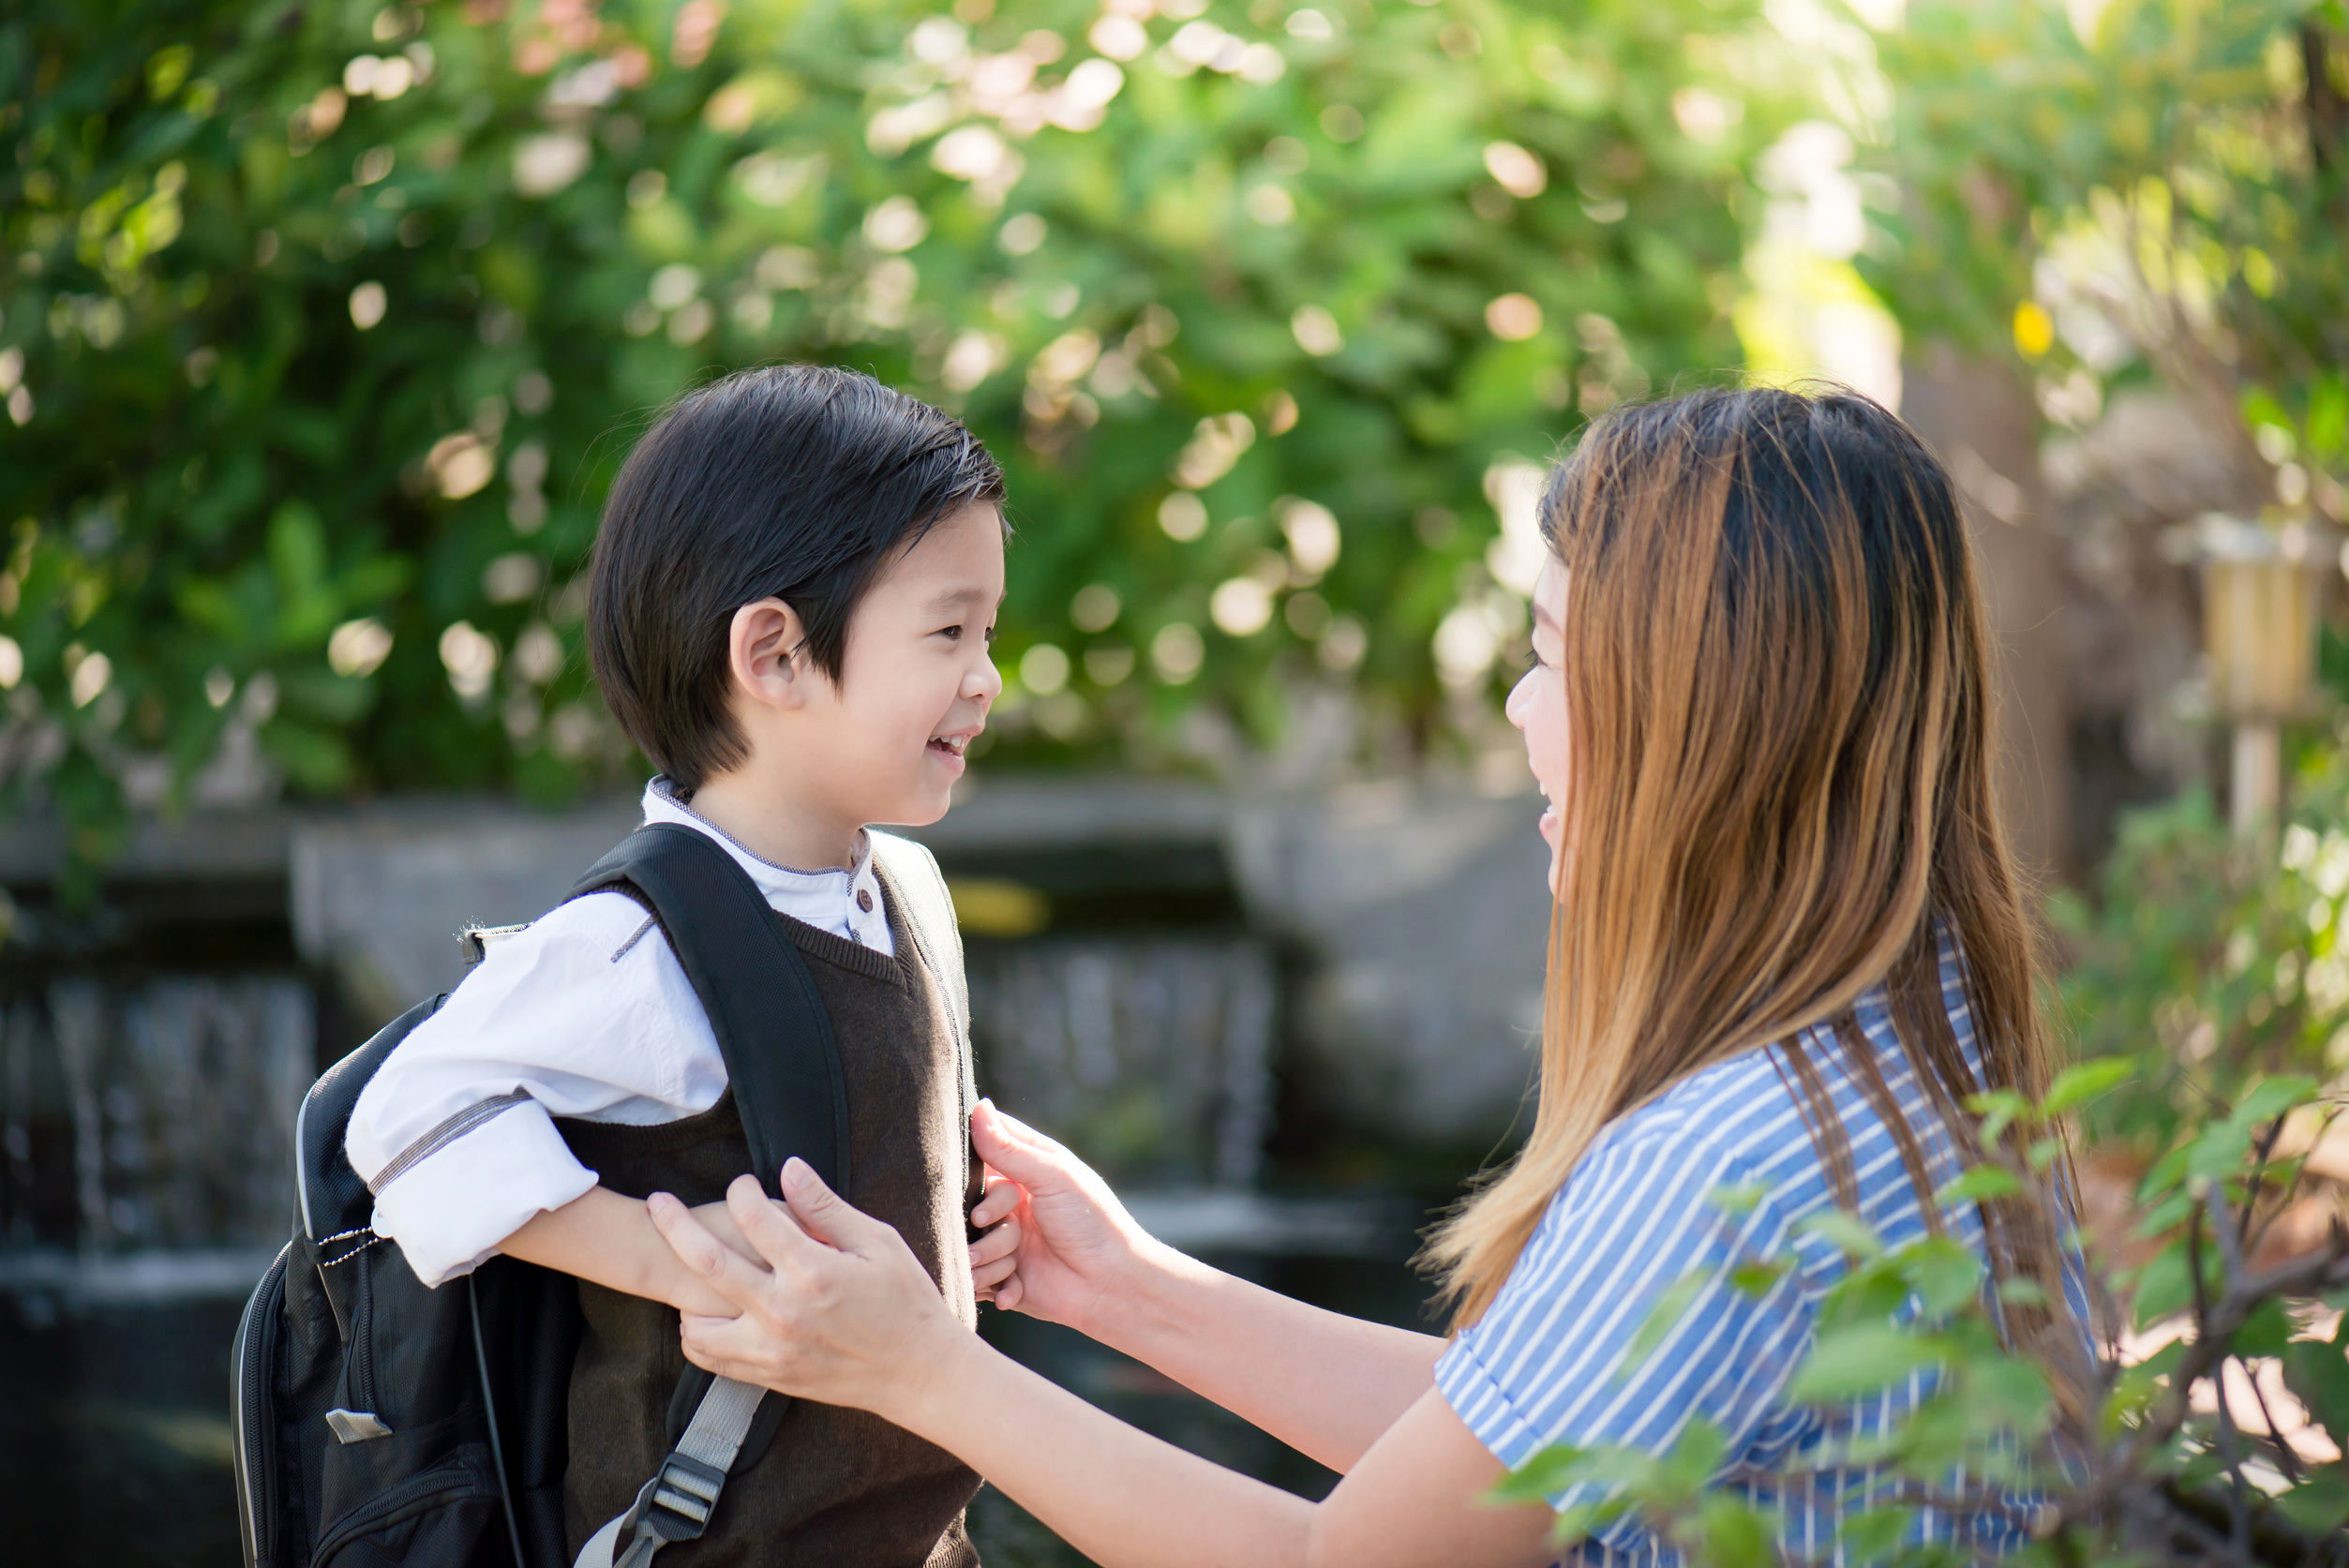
[
  {"x": 913, "y": 872},
  {"x": 676, "y": 1504}
]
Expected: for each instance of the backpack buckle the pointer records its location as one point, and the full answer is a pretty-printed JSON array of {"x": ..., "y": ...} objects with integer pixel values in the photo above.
[{"x": 676, "y": 1504}]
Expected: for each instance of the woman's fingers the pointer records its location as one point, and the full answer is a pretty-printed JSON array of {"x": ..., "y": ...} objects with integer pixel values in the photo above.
[
  {"x": 727, "y": 1271},
  {"x": 827, "y": 1216},
  {"x": 1001, "y": 1201},
  {"x": 1020, "y": 1153},
  {"x": 986, "y": 1276},
  {"x": 1000, "y": 1241},
  {"x": 724, "y": 1346}
]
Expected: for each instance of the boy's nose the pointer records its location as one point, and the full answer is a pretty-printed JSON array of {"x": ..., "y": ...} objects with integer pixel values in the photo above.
[{"x": 985, "y": 683}]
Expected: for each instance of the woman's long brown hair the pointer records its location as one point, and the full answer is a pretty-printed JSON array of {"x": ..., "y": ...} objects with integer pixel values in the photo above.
[{"x": 1778, "y": 713}]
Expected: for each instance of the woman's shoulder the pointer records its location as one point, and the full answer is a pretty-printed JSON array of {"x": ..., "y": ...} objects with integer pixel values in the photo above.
[
  {"x": 1729, "y": 1138},
  {"x": 1739, "y": 1111}
]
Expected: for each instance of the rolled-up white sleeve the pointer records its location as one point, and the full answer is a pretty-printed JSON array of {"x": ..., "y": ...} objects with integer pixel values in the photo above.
[
  {"x": 585, "y": 1014},
  {"x": 452, "y": 1209}
]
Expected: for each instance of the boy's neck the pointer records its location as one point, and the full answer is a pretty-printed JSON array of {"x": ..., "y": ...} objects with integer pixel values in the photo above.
[{"x": 766, "y": 817}]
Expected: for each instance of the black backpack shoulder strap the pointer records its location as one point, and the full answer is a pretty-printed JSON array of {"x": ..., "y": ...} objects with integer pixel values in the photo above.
[
  {"x": 771, "y": 1026},
  {"x": 783, "y": 1066}
]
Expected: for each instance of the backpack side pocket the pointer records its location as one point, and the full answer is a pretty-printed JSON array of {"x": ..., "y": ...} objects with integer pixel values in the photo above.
[{"x": 448, "y": 1513}]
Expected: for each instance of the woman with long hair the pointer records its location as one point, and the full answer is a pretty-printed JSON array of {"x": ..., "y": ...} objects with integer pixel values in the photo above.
[{"x": 1787, "y": 943}]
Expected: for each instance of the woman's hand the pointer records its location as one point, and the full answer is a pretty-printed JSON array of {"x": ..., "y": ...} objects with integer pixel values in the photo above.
[
  {"x": 1058, "y": 1244},
  {"x": 847, "y": 1316}
]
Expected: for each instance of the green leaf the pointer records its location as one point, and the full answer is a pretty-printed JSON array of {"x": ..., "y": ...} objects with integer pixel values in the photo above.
[
  {"x": 2023, "y": 1292},
  {"x": 1550, "y": 1471},
  {"x": 1860, "y": 1360},
  {"x": 1586, "y": 1518},
  {"x": 312, "y": 693},
  {"x": 2327, "y": 429},
  {"x": 1847, "y": 1232},
  {"x": 2088, "y": 1081},
  {"x": 1876, "y": 1534},
  {"x": 2320, "y": 1503},
  {"x": 1759, "y": 1276},
  {"x": 2265, "y": 1332},
  {"x": 1945, "y": 1273},
  {"x": 378, "y": 579},
  {"x": 2318, "y": 1375},
  {"x": 316, "y": 759},
  {"x": 1733, "y": 1533},
  {"x": 2142, "y": 1382},
  {"x": 2164, "y": 1174},
  {"x": 297, "y": 549},
  {"x": 1997, "y": 1108},
  {"x": 1693, "y": 1458},
  {"x": 1739, "y": 1201},
  {"x": 2271, "y": 1098},
  {"x": 2007, "y": 1392},
  {"x": 1979, "y": 1184},
  {"x": 2165, "y": 1285}
]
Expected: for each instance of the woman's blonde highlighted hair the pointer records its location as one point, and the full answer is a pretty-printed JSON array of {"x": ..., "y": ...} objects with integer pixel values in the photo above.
[{"x": 1779, "y": 717}]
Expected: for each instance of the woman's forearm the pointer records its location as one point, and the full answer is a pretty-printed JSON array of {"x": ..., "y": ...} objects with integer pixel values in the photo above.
[
  {"x": 1326, "y": 1384},
  {"x": 1122, "y": 1498}
]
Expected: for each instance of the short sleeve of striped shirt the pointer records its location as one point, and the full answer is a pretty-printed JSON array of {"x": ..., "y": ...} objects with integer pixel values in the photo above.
[{"x": 1549, "y": 1361}]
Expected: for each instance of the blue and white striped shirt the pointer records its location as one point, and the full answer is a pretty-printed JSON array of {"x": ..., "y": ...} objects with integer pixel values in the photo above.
[{"x": 1547, "y": 1363}]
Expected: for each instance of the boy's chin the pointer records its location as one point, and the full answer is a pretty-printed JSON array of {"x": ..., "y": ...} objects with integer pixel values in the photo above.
[{"x": 920, "y": 807}]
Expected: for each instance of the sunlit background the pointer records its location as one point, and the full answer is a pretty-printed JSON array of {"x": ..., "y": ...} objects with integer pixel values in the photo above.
[{"x": 324, "y": 327}]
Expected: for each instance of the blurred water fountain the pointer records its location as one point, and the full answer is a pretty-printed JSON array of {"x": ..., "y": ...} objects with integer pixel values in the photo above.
[
  {"x": 151, "y": 1115},
  {"x": 1150, "y": 1055}
]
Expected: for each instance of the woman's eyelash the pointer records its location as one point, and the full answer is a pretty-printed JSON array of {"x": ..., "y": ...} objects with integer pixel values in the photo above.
[{"x": 1533, "y": 659}]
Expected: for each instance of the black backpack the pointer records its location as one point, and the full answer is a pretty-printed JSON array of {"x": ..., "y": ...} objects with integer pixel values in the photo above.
[{"x": 379, "y": 1423}]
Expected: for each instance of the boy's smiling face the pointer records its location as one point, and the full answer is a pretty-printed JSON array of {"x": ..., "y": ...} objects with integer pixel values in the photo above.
[
  {"x": 915, "y": 680},
  {"x": 884, "y": 742}
]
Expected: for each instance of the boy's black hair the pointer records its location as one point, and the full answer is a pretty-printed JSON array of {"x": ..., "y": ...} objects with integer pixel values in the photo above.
[{"x": 791, "y": 481}]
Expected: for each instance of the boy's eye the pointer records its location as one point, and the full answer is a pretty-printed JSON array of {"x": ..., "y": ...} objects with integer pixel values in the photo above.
[{"x": 954, "y": 633}]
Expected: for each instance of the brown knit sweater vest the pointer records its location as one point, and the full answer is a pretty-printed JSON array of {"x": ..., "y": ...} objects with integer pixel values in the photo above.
[{"x": 837, "y": 1489}]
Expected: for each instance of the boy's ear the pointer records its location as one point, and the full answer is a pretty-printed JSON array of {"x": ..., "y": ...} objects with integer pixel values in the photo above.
[{"x": 766, "y": 653}]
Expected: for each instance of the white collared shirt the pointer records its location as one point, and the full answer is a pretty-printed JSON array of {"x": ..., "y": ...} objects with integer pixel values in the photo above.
[{"x": 586, "y": 1013}]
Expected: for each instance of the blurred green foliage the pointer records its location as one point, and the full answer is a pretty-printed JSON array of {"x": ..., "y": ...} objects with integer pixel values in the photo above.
[
  {"x": 2128, "y": 189},
  {"x": 2214, "y": 959},
  {"x": 323, "y": 327}
]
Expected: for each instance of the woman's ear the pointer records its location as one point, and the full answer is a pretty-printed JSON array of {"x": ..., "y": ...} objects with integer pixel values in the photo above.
[{"x": 766, "y": 653}]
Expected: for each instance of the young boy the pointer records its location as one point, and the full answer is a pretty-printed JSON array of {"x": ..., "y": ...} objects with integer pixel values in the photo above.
[{"x": 793, "y": 590}]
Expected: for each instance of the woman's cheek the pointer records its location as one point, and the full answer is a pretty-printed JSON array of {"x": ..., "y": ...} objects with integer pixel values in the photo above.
[{"x": 1546, "y": 738}]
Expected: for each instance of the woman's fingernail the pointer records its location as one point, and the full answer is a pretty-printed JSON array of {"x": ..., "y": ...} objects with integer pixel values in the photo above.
[{"x": 796, "y": 1172}]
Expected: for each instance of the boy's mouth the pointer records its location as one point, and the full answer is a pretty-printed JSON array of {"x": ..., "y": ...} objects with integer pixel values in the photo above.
[{"x": 954, "y": 744}]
